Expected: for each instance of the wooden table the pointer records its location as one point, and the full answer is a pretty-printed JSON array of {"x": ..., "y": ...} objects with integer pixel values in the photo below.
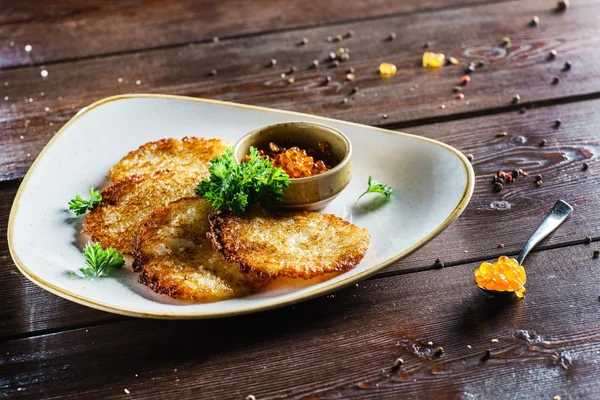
[{"x": 343, "y": 345}]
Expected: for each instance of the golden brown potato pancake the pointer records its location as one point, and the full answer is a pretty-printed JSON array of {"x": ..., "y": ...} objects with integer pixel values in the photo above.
[
  {"x": 175, "y": 257},
  {"x": 126, "y": 204},
  {"x": 190, "y": 154},
  {"x": 297, "y": 245}
]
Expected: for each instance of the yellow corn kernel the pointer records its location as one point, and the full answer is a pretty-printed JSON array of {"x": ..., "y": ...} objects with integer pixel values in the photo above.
[
  {"x": 433, "y": 60},
  {"x": 386, "y": 70}
]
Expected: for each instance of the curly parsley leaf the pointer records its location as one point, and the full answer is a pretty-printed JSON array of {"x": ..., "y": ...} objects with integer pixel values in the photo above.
[
  {"x": 101, "y": 262},
  {"x": 232, "y": 186},
  {"x": 376, "y": 187},
  {"x": 80, "y": 206}
]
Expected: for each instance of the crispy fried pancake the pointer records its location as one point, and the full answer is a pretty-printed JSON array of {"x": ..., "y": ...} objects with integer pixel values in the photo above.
[
  {"x": 117, "y": 219},
  {"x": 176, "y": 258},
  {"x": 189, "y": 154},
  {"x": 297, "y": 245}
]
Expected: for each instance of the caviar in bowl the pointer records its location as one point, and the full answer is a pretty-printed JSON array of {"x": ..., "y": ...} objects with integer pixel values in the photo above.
[{"x": 316, "y": 157}]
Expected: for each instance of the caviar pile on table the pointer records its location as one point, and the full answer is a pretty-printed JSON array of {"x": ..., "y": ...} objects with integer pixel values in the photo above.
[
  {"x": 505, "y": 275},
  {"x": 297, "y": 162}
]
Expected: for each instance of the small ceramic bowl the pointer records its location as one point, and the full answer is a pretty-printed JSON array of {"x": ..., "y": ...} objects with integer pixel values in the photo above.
[{"x": 314, "y": 192}]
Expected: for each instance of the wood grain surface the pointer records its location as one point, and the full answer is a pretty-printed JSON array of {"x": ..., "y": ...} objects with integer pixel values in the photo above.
[
  {"x": 344, "y": 345},
  {"x": 120, "y": 26},
  {"x": 414, "y": 96}
]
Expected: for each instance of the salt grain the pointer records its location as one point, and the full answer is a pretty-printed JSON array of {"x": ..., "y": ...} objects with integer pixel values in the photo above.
[
  {"x": 28, "y": 48},
  {"x": 21, "y": 137},
  {"x": 138, "y": 82},
  {"x": 120, "y": 80},
  {"x": 12, "y": 44},
  {"x": 30, "y": 100},
  {"x": 5, "y": 98},
  {"x": 47, "y": 109},
  {"x": 126, "y": 391},
  {"x": 44, "y": 73}
]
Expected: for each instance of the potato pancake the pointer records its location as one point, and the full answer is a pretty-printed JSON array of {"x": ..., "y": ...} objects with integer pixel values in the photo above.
[
  {"x": 175, "y": 257},
  {"x": 190, "y": 154},
  {"x": 297, "y": 245},
  {"x": 126, "y": 204}
]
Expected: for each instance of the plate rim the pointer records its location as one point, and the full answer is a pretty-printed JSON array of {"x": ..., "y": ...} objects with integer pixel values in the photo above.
[{"x": 269, "y": 304}]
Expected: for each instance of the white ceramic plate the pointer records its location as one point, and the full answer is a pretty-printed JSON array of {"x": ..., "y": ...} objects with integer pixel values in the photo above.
[{"x": 433, "y": 184}]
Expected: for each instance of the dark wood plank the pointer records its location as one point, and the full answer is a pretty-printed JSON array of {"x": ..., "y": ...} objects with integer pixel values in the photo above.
[
  {"x": 478, "y": 231},
  {"x": 118, "y": 26},
  {"x": 344, "y": 346},
  {"x": 26, "y": 308},
  {"x": 243, "y": 76},
  {"x": 510, "y": 216}
]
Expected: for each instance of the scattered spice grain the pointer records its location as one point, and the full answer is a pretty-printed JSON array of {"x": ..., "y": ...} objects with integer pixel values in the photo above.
[
  {"x": 350, "y": 33},
  {"x": 568, "y": 65},
  {"x": 523, "y": 110},
  {"x": 557, "y": 123},
  {"x": 480, "y": 64},
  {"x": 469, "y": 157},
  {"x": 216, "y": 39},
  {"x": 327, "y": 80},
  {"x": 516, "y": 98},
  {"x": 350, "y": 70},
  {"x": 562, "y": 5},
  {"x": 335, "y": 63},
  {"x": 539, "y": 183},
  {"x": 439, "y": 351},
  {"x": 385, "y": 116},
  {"x": 487, "y": 355},
  {"x": 553, "y": 54},
  {"x": 500, "y": 134},
  {"x": 596, "y": 254},
  {"x": 398, "y": 362},
  {"x": 213, "y": 72},
  {"x": 470, "y": 68},
  {"x": 315, "y": 63},
  {"x": 452, "y": 61},
  {"x": 555, "y": 80},
  {"x": 438, "y": 264},
  {"x": 465, "y": 79},
  {"x": 505, "y": 42},
  {"x": 392, "y": 36},
  {"x": 498, "y": 187},
  {"x": 272, "y": 62},
  {"x": 585, "y": 166},
  {"x": 338, "y": 38},
  {"x": 501, "y": 245},
  {"x": 456, "y": 89},
  {"x": 534, "y": 21},
  {"x": 587, "y": 240},
  {"x": 538, "y": 177},
  {"x": 303, "y": 41},
  {"x": 543, "y": 142}
]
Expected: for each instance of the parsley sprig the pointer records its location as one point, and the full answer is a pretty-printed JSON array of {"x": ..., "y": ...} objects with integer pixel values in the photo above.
[
  {"x": 101, "y": 262},
  {"x": 80, "y": 206},
  {"x": 377, "y": 187},
  {"x": 232, "y": 186}
]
